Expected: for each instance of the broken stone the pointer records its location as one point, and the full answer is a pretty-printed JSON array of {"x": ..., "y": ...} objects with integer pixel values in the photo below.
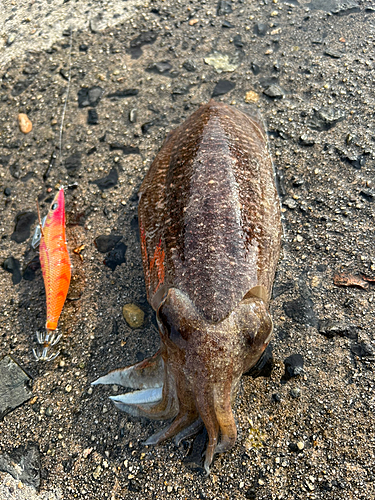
[
  {"x": 14, "y": 386},
  {"x": 23, "y": 463}
]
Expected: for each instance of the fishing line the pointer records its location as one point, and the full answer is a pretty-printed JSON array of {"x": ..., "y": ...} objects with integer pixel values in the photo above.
[{"x": 67, "y": 95}]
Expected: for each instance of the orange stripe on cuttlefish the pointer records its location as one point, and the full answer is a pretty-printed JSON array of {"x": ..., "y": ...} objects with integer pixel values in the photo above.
[{"x": 158, "y": 259}]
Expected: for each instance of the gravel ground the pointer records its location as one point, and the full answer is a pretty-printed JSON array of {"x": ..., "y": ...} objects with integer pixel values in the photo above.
[{"x": 310, "y": 67}]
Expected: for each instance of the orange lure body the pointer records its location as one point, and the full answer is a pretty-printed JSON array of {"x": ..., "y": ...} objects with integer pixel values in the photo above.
[{"x": 55, "y": 261}]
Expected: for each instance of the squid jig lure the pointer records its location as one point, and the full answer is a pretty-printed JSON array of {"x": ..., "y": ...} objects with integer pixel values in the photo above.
[{"x": 56, "y": 269}]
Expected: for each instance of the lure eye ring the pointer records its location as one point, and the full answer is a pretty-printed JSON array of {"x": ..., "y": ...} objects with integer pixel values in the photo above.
[{"x": 54, "y": 206}]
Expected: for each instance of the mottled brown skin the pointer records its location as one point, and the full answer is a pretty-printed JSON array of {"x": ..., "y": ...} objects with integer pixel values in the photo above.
[{"x": 210, "y": 233}]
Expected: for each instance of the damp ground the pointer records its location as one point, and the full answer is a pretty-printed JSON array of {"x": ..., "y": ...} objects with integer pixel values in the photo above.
[{"x": 310, "y": 69}]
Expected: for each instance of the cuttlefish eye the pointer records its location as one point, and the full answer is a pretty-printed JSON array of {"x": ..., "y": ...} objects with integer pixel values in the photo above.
[
  {"x": 170, "y": 327},
  {"x": 54, "y": 206}
]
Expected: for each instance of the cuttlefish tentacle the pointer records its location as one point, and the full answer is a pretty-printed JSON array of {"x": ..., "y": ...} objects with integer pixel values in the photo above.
[
  {"x": 205, "y": 407},
  {"x": 224, "y": 415},
  {"x": 189, "y": 431},
  {"x": 182, "y": 421}
]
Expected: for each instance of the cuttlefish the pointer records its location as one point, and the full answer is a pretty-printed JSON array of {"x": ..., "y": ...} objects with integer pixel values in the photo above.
[{"x": 210, "y": 227}]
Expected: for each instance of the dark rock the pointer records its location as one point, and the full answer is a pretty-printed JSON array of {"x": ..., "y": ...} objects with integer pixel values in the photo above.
[
  {"x": 64, "y": 74},
  {"x": 293, "y": 366},
  {"x": 28, "y": 176},
  {"x": 333, "y": 53},
  {"x": 260, "y": 29},
  {"x": 137, "y": 43},
  {"x": 31, "y": 268},
  {"x": 14, "y": 386},
  {"x": 89, "y": 97},
  {"x": 7, "y": 191},
  {"x": 4, "y": 160},
  {"x": 251, "y": 494},
  {"x": 223, "y": 8},
  {"x": 159, "y": 67},
  {"x": 180, "y": 90},
  {"x": 15, "y": 170},
  {"x": 124, "y": 93},
  {"x": 223, "y": 87},
  {"x": 301, "y": 310},
  {"x": 146, "y": 126},
  {"x": 116, "y": 256},
  {"x": 368, "y": 194},
  {"x": 355, "y": 161},
  {"x": 227, "y": 24},
  {"x": 363, "y": 349},
  {"x": 135, "y": 485},
  {"x": 92, "y": 117},
  {"x": 83, "y": 47},
  {"x": 330, "y": 328},
  {"x": 340, "y": 7},
  {"x": 274, "y": 91},
  {"x": 24, "y": 221},
  {"x": 189, "y": 65},
  {"x": 21, "y": 86},
  {"x": 263, "y": 367},
  {"x": 276, "y": 397},
  {"x": 294, "y": 447},
  {"x": 237, "y": 41},
  {"x": 92, "y": 151},
  {"x": 255, "y": 68},
  {"x": 144, "y": 38},
  {"x": 127, "y": 150},
  {"x": 105, "y": 243},
  {"x": 23, "y": 463},
  {"x": 326, "y": 118},
  {"x": 73, "y": 163},
  {"x": 108, "y": 181},
  {"x": 13, "y": 266},
  {"x": 282, "y": 288}
]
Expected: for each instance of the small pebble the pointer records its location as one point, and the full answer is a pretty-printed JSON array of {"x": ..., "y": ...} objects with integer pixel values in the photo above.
[
  {"x": 133, "y": 315},
  {"x": 97, "y": 472},
  {"x": 68, "y": 388},
  {"x": 290, "y": 203},
  {"x": 48, "y": 412},
  {"x": 251, "y": 96},
  {"x": 25, "y": 124},
  {"x": 11, "y": 38},
  {"x": 295, "y": 392},
  {"x": 300, "y": 445},
  {"x": 133, "y": 115}
]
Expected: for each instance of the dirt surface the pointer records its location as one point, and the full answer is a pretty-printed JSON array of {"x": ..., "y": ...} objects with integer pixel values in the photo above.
[{"x": 313, "y": 71}]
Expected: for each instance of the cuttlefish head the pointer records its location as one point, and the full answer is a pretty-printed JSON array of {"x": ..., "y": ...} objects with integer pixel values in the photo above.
[{"x": 194, "y": 376}]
